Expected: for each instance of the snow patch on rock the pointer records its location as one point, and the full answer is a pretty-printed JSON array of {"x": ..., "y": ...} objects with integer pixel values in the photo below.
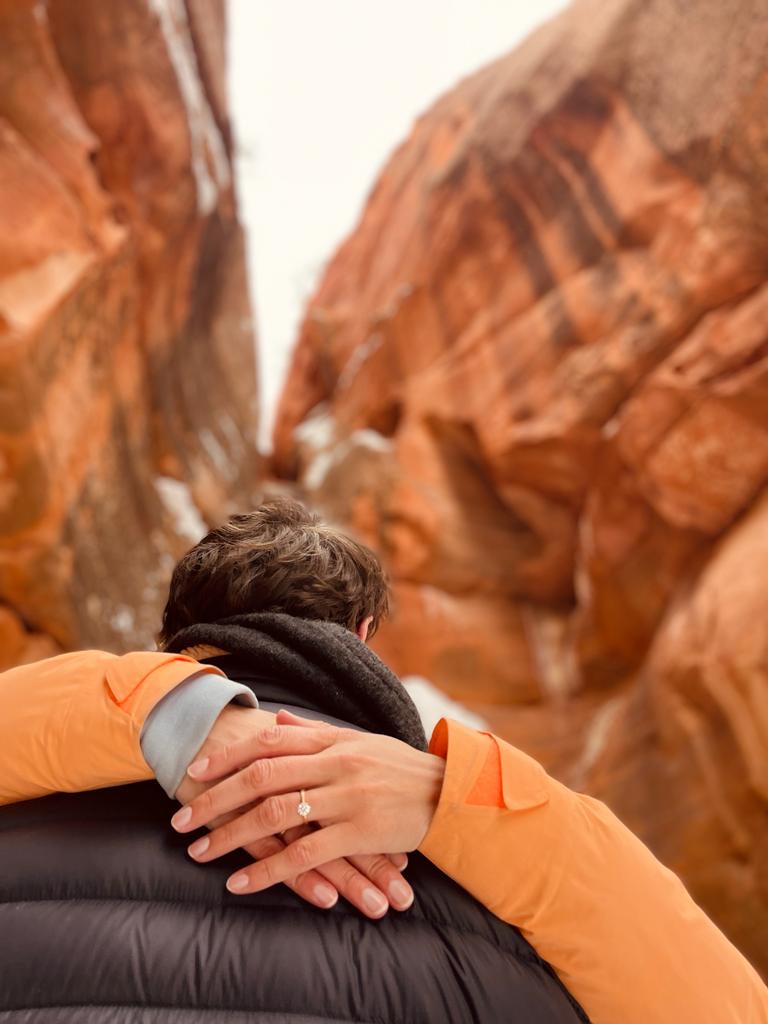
[
  {"x": 316, "y": 437},
  {"x": 180, "y": 506},
  {"x": 321, "y": 465},
  {"x": 123, "y": 620},
  {"x": 367, "y": 438},
  {"x": 596, "y": 740},
  {"x": 318, "y": 430},
  {"x": 215, "y": 451},
  {"x": 360, "y": 355},
  {"x": 209, "y": 158}
]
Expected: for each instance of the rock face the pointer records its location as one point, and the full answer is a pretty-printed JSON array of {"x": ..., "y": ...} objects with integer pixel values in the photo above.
[
  {"x": 127, "y": 378},
  {"x": 535, "y": 377}
]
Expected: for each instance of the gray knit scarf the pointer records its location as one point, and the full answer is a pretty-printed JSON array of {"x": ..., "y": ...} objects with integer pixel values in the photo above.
[{"x": 323, "y": 661}]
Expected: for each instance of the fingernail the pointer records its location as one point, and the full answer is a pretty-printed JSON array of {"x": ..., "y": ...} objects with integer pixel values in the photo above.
[
  {"x": 374, "y": 901},
  {"x": 400, "y": 894},
  {"x": 182, "y": 817},
  {"x": 237, "y": 883},
  {"x": 325, "y": 895},
  {"x": 198, "y": 849},
  {"x": 198, "y": 767},
  {"x": 400, "y": 862}
]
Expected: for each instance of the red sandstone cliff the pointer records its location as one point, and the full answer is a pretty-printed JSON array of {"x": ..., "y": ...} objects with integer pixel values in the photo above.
[
  {"x": 127, "y": 376},
  {"x": 536, "y": 378}
]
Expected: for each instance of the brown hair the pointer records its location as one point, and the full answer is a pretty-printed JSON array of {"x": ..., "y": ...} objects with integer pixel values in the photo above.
[{"x": 280, "y": 558}]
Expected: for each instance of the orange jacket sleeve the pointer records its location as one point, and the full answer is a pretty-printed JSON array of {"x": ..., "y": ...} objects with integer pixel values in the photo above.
[
  {"x": 619, "y": 928},
  {"x": 73, "y": 722}
]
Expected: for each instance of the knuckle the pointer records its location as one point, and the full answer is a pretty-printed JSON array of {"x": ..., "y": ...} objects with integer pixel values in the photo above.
[
  {"x": 377, "y": 865},
  {"x": 271, "y": 735},
  {"x": 348, "y": 877},
  {"x": 228, "y": 756},
  {"x": 271, "y": 812},
  {"x": 223, "y": 756},
  {"x": 257, "y": 774},
  {"x": 204, "y": 805},
  {"x": 225, "y": 836},
  {"x": 265, "y": 871},
  {"x": 332, "y": 739},
  {"x": 301, "y": 854}
]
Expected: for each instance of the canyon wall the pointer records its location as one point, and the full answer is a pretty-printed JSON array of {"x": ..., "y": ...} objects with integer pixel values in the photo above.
[
  {"x": 535, "y": 378},
  {"x": 127, "y": 373}
]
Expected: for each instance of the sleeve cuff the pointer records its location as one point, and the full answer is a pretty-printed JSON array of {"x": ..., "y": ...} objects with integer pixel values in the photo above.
[
  {"x": 479, "y": 777},
  {"x": 178, "y": 725}
]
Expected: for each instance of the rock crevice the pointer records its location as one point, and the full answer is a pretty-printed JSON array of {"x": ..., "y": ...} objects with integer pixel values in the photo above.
[{"x": 559, "y": 284}]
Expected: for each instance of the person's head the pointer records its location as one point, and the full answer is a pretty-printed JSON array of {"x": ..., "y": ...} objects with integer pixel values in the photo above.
[{"x": 280, "y": 558}]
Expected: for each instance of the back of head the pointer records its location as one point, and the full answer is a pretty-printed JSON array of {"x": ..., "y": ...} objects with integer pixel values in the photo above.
[
  {"x": 279, "y": 558},
  {"x": 183, "y": 947}
]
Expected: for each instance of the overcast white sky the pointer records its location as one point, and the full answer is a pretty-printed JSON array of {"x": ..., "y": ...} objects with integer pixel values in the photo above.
[{"x": 321, "y": 93}]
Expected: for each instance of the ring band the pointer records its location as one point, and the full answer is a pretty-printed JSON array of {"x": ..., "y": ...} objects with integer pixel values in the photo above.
[{"x": 304, "y": 810}]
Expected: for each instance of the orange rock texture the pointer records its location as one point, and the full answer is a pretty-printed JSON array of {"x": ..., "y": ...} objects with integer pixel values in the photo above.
[
  {"x": 535, "y": 377},
  {"x": 127, "y": 376}
]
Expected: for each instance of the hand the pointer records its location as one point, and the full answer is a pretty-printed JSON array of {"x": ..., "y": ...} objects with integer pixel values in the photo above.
[
  {"x": 370, "y": 793},
  {"x": 363, "y": 881}
]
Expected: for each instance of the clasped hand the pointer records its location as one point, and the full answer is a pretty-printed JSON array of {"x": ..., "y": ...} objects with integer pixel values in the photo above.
[{"x": 371, "y": 796}]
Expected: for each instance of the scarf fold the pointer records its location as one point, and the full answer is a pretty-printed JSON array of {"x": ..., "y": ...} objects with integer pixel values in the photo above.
[{"x": 323, "y": 661}]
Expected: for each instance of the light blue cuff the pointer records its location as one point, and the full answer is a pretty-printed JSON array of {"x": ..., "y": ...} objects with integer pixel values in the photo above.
[{"x": 179, "y": 724}]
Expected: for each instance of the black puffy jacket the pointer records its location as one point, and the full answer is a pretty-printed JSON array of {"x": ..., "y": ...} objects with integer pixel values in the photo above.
[{"x": 104, "y": 918}]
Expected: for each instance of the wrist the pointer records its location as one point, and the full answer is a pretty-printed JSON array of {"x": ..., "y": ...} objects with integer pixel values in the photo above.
[
  {"x": 432, "y": 774},
  {"x": 233, "y": 724}
]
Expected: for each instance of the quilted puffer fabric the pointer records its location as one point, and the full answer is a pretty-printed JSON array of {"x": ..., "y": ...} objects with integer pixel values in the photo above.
[{"x": 103, "y": 918}]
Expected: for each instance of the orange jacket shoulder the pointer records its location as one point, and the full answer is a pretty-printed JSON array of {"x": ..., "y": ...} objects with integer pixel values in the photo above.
[{"x": 74, "y": 722}]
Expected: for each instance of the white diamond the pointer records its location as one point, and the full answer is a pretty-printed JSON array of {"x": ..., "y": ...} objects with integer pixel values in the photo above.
[{"x": 303, "y": 810}]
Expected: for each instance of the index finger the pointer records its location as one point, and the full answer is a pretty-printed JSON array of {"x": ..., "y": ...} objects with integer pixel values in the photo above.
[
  {"x": 267, "y": 777},
  {"x": 271, "y": 741},
  {"x": 312, "y": 851}
]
